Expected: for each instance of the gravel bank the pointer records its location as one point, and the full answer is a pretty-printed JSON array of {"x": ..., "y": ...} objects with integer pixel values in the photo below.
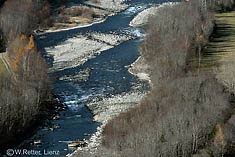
[
  {"x": 142, "y": 17},
  {"x": 140, "y": 69},
  {"x": 110, "y": 5},
  {"x": 77, "y": 50}
]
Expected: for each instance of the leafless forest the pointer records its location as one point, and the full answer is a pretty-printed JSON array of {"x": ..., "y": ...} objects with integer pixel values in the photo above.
[
  {"x": 187, "y": 109},
  {"x": 25, "y": 86}
]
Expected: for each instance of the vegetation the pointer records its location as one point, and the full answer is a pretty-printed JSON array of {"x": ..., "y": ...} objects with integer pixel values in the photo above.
[
  {"x": 2, "y": 69},
  {"x": 22, "y": 92},
  {"x": 78, "y": 11},
  {"x": 2, "y": 42},
  {"x": 187, "y": 107}
]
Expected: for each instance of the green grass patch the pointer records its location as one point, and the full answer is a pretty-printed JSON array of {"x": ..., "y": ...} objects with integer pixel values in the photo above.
[
  {"x": 3, "y": 69},
  {"x": 221, "y": 48}
]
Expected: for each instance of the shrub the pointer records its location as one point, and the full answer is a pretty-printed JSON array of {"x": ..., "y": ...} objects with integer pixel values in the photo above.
[
  {"x": 62, "y": 18},
  {"x": 80, "y": 11}
]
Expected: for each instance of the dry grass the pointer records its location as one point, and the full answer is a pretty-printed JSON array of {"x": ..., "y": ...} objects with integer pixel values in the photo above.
[
  {"x": 79, "y": 11},
  {"x": 3, "y": 70},
  {"x": 96, "y": 2},
  {"x": 220, "y": 52},
  {"x": 80, "y": 19},
  {"x": 74, "y": 16},
  {"x": 62, "y": 26}
]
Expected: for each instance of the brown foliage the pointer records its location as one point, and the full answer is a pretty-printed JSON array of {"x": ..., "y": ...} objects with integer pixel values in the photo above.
[
  {"x": 62, "y": 18},
  {"x": 80, "y": 11},
  {"x": 219, "y": 136},
  {"x": 44, "y": 15}
]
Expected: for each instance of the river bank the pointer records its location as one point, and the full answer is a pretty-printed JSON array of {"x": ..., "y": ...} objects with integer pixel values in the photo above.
[
  {"x": 101, "y": 9},
  {"x": 103, "y": 111},
  {"x": 142, "y": 18}
]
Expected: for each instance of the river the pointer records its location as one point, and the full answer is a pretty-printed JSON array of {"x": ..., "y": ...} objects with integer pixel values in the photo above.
[{"x": 109, "y": 76}]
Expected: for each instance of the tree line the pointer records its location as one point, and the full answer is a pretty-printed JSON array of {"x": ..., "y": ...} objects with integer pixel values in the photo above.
[{"x": 24, "y": 92}]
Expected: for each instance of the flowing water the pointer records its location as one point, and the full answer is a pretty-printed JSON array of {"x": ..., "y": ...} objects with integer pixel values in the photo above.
[{"x": 109, "y": 76}]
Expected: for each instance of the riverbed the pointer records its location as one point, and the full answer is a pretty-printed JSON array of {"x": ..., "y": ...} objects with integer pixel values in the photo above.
[{"x": 102, "y": 76}]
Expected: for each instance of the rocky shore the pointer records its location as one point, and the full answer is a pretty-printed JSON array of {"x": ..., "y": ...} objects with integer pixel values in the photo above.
[
  {"x": 107, "y": 108},
  {"x": 142, "y": 18},
  {"x": 140, "y": 69},
  {"x": 104, "y": 111}
]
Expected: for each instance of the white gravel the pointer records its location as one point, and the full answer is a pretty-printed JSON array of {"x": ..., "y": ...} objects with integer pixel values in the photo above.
[
  {"x": 140, "y": 68},
  {"x": 77, "y": 50},
  {"x": 142, "y": 17},
  {"x": 111, "y": 5}
]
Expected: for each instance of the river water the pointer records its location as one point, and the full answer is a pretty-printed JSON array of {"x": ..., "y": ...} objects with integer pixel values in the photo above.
[{"x": 109, "y": 76}]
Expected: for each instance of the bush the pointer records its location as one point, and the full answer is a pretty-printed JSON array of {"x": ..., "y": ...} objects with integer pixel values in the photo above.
[
  {"x": 62, "y": 18},
  {"x": 80, "y": 11},
  {"x": 2, "y": 42},
  {"x": 44, "y": 15}
]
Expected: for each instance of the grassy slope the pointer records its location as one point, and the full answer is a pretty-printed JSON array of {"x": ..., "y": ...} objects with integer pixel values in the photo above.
[
  {"x": 220, "y": 52},
  {"x": 2, "y": 69}
]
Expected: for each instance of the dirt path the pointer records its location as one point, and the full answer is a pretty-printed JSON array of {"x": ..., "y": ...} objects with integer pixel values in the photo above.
[{"x": 6, "y": 63}]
